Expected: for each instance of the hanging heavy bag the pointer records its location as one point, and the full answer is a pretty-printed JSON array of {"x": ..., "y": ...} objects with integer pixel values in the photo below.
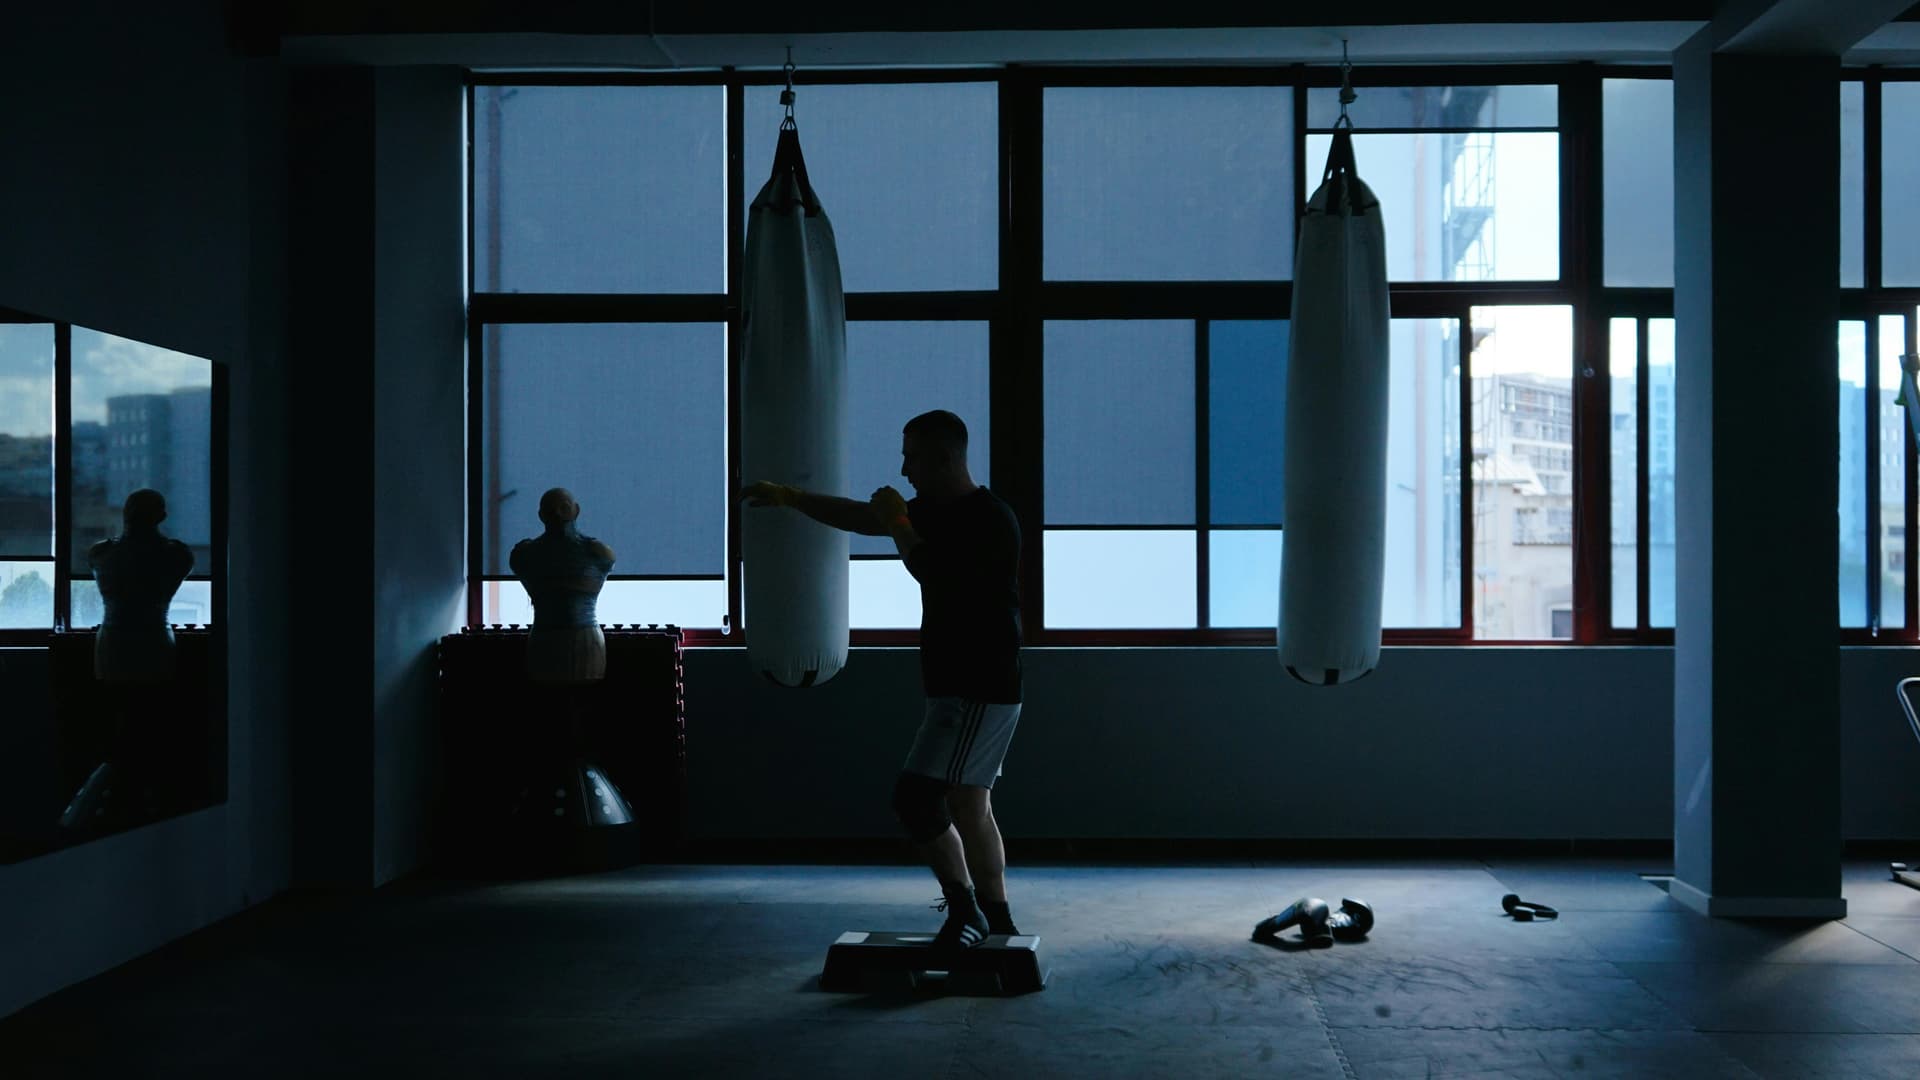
[
  {"x": 1334, "y": 507},
  {"x": 793, "y": 397}
]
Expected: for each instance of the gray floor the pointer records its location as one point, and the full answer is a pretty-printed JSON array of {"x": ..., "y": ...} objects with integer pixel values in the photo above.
[{"x": 710, "y": 971}]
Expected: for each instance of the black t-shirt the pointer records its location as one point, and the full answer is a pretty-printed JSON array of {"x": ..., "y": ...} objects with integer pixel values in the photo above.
[{"x": 968, "y": 566}]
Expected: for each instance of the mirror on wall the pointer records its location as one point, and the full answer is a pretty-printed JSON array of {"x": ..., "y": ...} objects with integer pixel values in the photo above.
[{"x": 112, "y": 553}]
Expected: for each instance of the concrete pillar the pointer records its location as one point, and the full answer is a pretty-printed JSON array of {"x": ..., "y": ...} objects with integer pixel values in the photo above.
[{"x": 1757, "y": 664}]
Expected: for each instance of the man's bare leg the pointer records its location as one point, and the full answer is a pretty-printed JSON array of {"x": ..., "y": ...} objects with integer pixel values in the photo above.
[
  {"x": 945, "y": 855},
  {"x": 979, "y": 837},
  {"x": 967, "y": 925}
]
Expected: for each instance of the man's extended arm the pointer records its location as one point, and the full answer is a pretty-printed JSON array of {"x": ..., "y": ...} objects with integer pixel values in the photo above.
[
  {"x": 855, "y": 517},
  {"x": 829, "y": 510}
]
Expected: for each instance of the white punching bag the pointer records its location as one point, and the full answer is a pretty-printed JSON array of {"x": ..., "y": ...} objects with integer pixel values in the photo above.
[
  {"x": 1334, "y": 509},
  {"x": 793, "y": 396}
]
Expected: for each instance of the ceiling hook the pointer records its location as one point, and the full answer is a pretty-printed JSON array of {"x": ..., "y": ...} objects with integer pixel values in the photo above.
[
  {"x": 786, "y": 96},
  {"x": 1346, "y": 80}
]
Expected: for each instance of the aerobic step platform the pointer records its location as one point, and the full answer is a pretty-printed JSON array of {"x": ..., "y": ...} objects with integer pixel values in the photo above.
[{"x": 880, "y": 960}]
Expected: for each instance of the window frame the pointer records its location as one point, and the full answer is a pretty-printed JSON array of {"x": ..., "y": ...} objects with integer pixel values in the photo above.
[{"x": 1025, "y": 301}]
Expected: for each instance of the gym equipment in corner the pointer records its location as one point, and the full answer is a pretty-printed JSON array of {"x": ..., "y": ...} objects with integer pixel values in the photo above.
[
  {"x": 1908, "y": 873},
  {"x": 879, "y": 961}
]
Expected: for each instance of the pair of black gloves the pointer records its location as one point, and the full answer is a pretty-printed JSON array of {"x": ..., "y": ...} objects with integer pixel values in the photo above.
[{"x": 1320, "y": 925}]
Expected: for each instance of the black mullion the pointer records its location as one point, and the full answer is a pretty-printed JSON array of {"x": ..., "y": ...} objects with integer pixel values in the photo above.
[
  {"x": 1164, "y": 526},
  {"x": 1127, "y": 76},
  {"x": 731, "y": 76},
  {"x": 1618, "y": 302},
  {"x": 1323, "y": 76},
  {"x": 490, "y": 402},
  {"x": 728, "y": 75},
  {"x": 1582, "y": 269},
  {"x": 715, "y": 307},
  {"x": 596, "y": 78},
  {"x": 486, "y": 397},
  {"x": 628, "y": 577},
  {"x": 472, "y": 286},
  {"x": 62, "y": 475},
  {"x": 1503, "y": 294},
  {"x": 1203, "y": 465},
  {"x": 1163, "y": 300},
  {"x": 1017, "y": 383},
  {"x": 1466, "y": 471},
  {"x": 968, "y": 305},
  {"x": 736, "y": 254},
  {"x": 476, "y": 557},
  {"x": 598, "y": 307},
  {"x": 477, "y": 436},
  {"x": 1299, "y": 147},
  {"x": 1871, "y": 216},
  {"x": 1642, "y": 481},
  {"x": 1872, "y": 450}
]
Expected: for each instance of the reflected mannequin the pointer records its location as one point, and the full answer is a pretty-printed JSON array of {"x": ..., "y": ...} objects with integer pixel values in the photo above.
[
  {"x": 134, "y": 659},
  {"x": 563, "y": 573},
  {"x": 138, "y": 572}
]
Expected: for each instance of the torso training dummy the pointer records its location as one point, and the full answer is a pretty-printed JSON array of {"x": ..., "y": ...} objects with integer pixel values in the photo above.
[{"x": 563, "y": 573}]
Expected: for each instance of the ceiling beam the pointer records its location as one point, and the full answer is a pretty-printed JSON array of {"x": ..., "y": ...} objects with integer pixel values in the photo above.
[
  {"x": 1800, "y": 27},
  {"x": 1370, "y": 45},
  {"x": 294, "y": 18}
]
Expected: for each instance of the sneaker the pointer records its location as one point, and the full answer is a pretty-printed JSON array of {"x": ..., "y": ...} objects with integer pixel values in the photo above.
[
  {"x": 999, "y": 918},
  {"x": 965, "y": 926}
]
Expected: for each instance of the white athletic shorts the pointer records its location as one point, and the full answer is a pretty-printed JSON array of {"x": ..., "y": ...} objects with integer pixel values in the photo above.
[{"x": 962, "y": 741}]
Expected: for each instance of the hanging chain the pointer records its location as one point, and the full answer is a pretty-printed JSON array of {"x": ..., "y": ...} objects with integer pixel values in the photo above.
[
  {"x": 1346, "y": 85},
  {"x": 786, "y": 96}
]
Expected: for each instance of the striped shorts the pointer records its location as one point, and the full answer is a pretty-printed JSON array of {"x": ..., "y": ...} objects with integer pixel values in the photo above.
[{"x": 962, "y": 741}]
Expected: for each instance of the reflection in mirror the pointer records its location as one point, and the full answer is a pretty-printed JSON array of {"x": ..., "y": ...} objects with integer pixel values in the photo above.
[{"x": 111, "y": 664}]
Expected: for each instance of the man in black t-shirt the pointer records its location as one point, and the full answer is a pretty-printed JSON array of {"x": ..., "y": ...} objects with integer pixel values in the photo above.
[{"x": 962, "y": 543}]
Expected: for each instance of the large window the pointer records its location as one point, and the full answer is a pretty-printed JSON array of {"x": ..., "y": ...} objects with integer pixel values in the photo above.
[
  {"x": 907, "y": 172},
  {"x": 1522, "y": 370},
  {"x": 599, "y": 189},
  {"x": 1879, "y": 184},
  {"x": 631, "y": 418},
  {"x": 1900, "y": 184},
  {"x": 1093, "y": 269},
  {"x": 1127, "y": 196},
  {"x": 1641, "y": 455},
  {"x": 1120, "y": 482},
  {"x": 896, "y": 371},
  {"x": 1637, "y": 158},
  {"x": 110, "y": 416},
  {"x": 1468, "y": 177}
]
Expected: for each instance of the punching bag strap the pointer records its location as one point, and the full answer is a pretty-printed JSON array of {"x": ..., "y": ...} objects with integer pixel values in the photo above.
[
  {"x": 1340, "y": 166},
  {"x": 787, "y": 158},
  {"x": 786, "y": 155}
]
